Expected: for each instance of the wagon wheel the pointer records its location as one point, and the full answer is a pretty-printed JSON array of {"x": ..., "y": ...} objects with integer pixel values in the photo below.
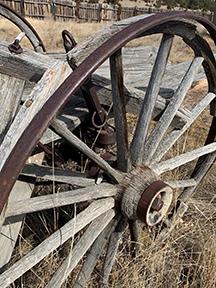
[
  {"x": 24, "y": 26},
  {"x": 138, "y": 184}
]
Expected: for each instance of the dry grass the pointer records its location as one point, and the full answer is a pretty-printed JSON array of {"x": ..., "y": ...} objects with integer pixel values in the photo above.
[{"x": 186, "y": 259}]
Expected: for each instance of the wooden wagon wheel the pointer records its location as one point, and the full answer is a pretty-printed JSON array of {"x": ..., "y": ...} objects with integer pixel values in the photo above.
[
  {"x": 136, "y": 189},
  {"x": 24, "y": 26}
]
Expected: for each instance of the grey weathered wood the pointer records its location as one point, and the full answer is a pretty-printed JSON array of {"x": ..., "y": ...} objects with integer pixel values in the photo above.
[
  {"x": 40, "y": 203},
  {"x": 167, "y": 117},
  {"x": 181, "y": 183},
  {"x": 10, "y": 231},
  {"x": 171, "y": 138},
  {"x": 41, "y": 93},
  {"x": 137, "y": 145},
  {"x": 28, "y": 66},
  {"x": 94, "y": 253},
  {"x": 119, "y": 102},
  {"x": 81, "y": 146},
  {"x": 79, "y": 250},
  {"x": 182, "y": 159},
  {"x": 10, "y": 96},
  {"x": 94, "y": 210},
  {"x": 112, "y": 249},
  {"x": 57, "y": 174}
]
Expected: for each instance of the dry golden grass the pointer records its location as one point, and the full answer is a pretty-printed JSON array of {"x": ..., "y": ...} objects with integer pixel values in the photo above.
[{"x": 187, "y": 259}]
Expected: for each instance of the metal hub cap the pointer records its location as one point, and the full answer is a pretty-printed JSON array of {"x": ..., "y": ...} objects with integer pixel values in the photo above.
[{"x": 145, "y": 196}]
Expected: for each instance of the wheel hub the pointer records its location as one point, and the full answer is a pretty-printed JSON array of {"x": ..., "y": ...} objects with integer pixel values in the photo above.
[{"x": 145, "y": 196}]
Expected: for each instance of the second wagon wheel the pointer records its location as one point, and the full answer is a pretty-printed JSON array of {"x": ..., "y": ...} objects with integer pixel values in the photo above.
[{"x": 137, "y": 184}]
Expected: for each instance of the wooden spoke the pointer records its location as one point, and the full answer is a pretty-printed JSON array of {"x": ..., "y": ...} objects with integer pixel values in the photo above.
[
  {"x": 81, "y": 146},
  {"x": 181, "y": 183},
  {"x": 119, "y": 108},
  {"x": 198, "y": 176},
  {"x": 167, "y": 117},
  {"x": 112, "y": 249},
  {"x": 85, "y": 242},
  {"x": 94, "y": 253},
  {"x": 137, "y": 146},
  {"x": 55, "y": 240},
  {"x": 169, "y": 141},
  {"x": 57, "y": 174},
  {"x": 40, "y": 203},
  {"x": 134, "y": 233},
  {"x": 180, "y": 160}
]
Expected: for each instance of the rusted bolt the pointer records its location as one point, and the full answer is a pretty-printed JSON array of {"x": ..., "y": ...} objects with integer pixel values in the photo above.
[
  {"x": 15, "y": 46},
  {"x": 28, "y": 103}
]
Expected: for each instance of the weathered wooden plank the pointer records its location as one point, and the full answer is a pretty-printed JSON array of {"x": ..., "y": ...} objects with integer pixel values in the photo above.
[
  {"x": 57, "y": 174},
  {"x": 82, "y": 147},
  {"x": 112, "y": 249},
  {"x": 76, "y": 254},
  {"x": 41, "y": 93},
  {"x": 40, "y": 203},
  {"x": 119, "y": 102},
  {"x": 10, "y": 96},
  {"x": 182, "y": 159},
  {"x": 94, "y": 210},
  {"x": 167, "y": 117},
  {"x": 28, "y": 66},
  {"x": 137, "y": 145},
  {"x": 170, "y": 139}
]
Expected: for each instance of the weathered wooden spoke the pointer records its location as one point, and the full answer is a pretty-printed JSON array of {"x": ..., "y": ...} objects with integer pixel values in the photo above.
[
  {"x": 93, "y": 254},
  {"x": 168, "y": 141},
  {"x": 43, "y": 103},
  {"x": 55, "y": 240},
  {"x": 40, "y": 203},
  {"x": 112, "y": 249},
  {"x": 137, "y": 146},
  {"x": 171, "y": 110},
  {"x": 85, "y": 242},
  {"x": 119, "y": 107},
  {"x": 81, "y": 146},
  {"x": 180, "y": 160}
]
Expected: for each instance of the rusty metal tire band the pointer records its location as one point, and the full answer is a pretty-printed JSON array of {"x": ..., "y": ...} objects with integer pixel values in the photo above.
[{"x": 40, "y": 122}]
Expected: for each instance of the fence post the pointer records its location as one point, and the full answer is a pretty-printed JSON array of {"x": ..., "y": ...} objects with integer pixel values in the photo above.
[
  {"x": 135, "y": 11},
  {"x": 53, "y": 9},
  {"x": 77, "y": 9},
  {"x": 22, "y": 8},
  {"x": 99, "y": 12},
  {"x": 119, "y": 10}
]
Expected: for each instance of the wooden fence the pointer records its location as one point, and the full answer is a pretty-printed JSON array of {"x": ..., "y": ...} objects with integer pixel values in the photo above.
[{"x": 79, "y": 11}]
